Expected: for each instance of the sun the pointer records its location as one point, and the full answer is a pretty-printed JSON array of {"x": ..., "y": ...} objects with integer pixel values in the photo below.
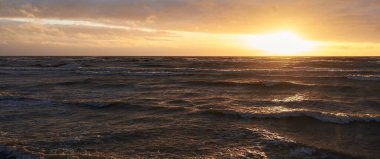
[{"x": 280, "y": 43}]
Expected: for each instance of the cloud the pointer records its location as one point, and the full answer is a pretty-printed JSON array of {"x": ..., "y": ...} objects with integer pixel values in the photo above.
[
  {"x": 182, "y": 23},
  {"x": 333, "y": 19},
  {"x": 93, "y": 34},
  {"x": 82, "y": 33},
  {"x": 209, "y": 15},
  {"x": 65, "y": 22}
]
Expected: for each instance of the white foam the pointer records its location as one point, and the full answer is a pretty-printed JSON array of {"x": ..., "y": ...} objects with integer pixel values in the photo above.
[
  {"x": 364, "y": 77},
  {"x": 270, "y": 137},
  {"x": 283, "y": 112}
]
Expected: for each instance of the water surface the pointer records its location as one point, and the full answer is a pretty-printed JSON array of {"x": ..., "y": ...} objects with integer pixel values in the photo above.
[{"x": 190, "y": 107}]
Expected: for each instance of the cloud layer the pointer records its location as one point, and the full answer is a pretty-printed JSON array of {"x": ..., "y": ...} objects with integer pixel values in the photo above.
[{"x": 323, "y": 20}]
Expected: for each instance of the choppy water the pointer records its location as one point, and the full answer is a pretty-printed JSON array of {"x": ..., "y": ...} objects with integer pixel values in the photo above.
[{"x": 182, "y": 107}]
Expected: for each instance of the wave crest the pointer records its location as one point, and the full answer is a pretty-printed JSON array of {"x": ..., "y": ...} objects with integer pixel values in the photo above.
[
  {"x": 283, "y": 112},
  {"x": 364, "y": 77},
  {"x": 9, "y": 153},
  {"x": 264, "y": 84}
]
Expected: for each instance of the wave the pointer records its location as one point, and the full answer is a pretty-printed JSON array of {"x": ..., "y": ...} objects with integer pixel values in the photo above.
[
  {"x": 68, "y": 83},
  {"x": 9, "y": 153},
  {"x": 295, "y": 98},
  {"x": 282, "y": 112},
  {"x": 205, "y": 72},
  {"x": 58, "y": 66},
  {"x": 130, "y": 73},
  {"x": 275, "y": 70},
  {"x": 8, "y": 99},
  {"x": 53, "y": 63},
  {"x": 364, "y": 77},
  {"x": 269, "y": 84},
  {"x": 115, "y": 105},
  {"x": 249, "y": 84},
  {"x": 99, "y": 105},
  {"x": 18, "y": 101},
  {"x": 375, "y": 62},
  {"x": 282, "y": 147},
  {"x": 49, "y": 65}
]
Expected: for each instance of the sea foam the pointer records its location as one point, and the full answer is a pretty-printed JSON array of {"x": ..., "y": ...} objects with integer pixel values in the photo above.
[
  {"x": 364, "y": 77},
  {"x": 278, "y": 112}
]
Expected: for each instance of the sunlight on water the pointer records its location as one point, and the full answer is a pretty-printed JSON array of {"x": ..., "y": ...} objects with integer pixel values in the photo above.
[
  {"x": 138, "y": 107},
  {"x": 295, "y": 98}
]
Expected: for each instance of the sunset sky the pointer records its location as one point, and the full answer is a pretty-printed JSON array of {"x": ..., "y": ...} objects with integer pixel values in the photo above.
[{"x": 190, "y": 27}]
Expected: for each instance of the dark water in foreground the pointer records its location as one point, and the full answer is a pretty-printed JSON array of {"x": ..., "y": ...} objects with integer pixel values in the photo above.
[{"x": 182, "y": 107}]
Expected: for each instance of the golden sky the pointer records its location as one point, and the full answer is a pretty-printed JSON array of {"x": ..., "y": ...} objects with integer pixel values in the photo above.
[{"x": 190, "y": 27}]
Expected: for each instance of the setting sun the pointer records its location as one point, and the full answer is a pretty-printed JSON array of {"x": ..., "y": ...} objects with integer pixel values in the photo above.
[
  {"x": 280, "y": 43},
  {"x": 189, "y": 79}
]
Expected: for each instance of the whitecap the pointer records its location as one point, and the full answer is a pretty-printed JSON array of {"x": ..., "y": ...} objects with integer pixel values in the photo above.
[
  {"x": 279, "y": 112},
  {"x": 364, "y": 77}
]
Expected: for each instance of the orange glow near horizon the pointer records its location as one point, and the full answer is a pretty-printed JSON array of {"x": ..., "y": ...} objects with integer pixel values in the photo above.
[
  {"x": 94, "y": 37},
  {"x": 280, "y": 43}
]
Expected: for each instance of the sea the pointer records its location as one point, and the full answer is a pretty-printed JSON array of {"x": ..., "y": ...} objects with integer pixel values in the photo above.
[{"x": 190, "y": 107}]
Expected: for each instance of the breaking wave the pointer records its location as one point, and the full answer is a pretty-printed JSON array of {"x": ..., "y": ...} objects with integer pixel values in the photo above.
[
  {"x": 282, "y": 112},
  {"x": 249, "y": 84},
  {"x": 364, "y": 77},
  {"x": 8, "y": 153}
]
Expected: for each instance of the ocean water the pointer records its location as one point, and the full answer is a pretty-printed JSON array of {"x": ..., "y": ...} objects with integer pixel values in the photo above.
[{"x": 190, "y": 107}]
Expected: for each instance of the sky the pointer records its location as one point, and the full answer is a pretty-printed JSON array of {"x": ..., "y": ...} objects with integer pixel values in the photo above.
[{"x": 188, "y": 27}]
